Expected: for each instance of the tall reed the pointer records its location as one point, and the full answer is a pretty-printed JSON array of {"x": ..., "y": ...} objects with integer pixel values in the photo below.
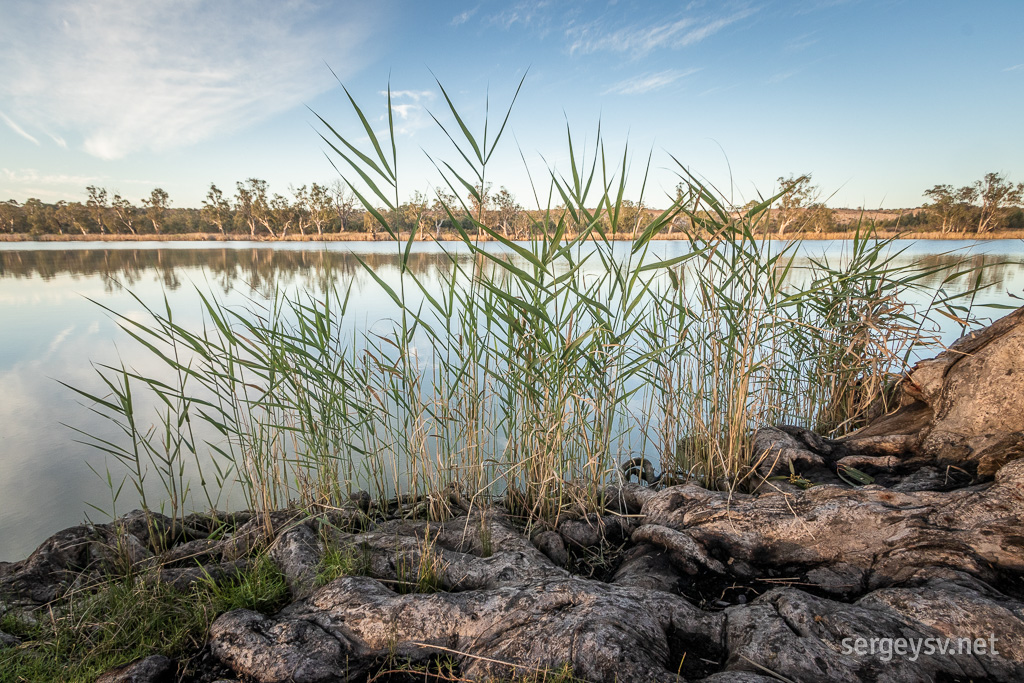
[{"x": 536, "y": 367}]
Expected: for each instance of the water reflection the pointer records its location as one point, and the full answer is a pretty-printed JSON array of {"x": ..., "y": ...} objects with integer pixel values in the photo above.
[
  {"x": 261, "y": 268},
  {"x": 258, "y": 269}
]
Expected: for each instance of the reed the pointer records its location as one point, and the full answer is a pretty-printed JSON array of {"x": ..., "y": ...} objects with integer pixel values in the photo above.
[{"x": 537, "y": 367}]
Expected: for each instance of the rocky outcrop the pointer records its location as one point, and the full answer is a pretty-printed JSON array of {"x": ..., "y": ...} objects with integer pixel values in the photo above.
[{"x": 960, "y": 418}]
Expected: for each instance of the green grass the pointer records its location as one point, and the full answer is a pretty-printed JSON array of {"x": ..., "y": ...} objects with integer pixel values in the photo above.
[
  {"x": 338, "y": 562},
  {"x": 89, "y": 632}
]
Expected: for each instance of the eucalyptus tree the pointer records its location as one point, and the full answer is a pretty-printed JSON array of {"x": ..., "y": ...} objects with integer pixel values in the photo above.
[
  {"x": 216, "y": 209},
  {"x": 300, "y": 208},
  {"x": 156, "y": 207},
  {"x": 125, "y": 212},
  {"x": 943, "y": 205},
  {"x": 508, "y": 211},
  {"x": 72, "y": 215},
  {"x": 36, "y": 215},
  {"x": 9, "y": 215},
  {"x": 439, "y": 210},
  {"x": 97, "y": 206},
  {"x": 281, "y": 214},
  {"x": 344, "y": 200},
  {"x": 798, "y": 195},
  {"x": 251, "y": 206},
  {"x": 996, "y": 195},
  {"x": 320, "y": 205}
]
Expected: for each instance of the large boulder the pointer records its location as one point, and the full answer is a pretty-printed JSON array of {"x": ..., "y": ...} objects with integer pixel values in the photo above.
[{"x": 960, "y": 416}]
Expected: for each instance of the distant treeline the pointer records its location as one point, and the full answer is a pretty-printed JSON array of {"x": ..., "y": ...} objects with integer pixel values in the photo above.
[{"x": 988, "y": 205}]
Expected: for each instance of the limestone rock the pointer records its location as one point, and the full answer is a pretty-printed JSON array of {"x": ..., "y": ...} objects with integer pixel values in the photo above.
[
  {"x": 606, "y": 633},
  {"x": 153, "y": 669}
]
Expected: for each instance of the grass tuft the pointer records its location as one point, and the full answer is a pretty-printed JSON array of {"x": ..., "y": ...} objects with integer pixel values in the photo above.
[{"x": 89, "y": 632}]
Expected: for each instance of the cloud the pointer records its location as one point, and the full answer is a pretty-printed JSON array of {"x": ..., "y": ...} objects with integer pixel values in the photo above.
[
  {"x": 410, "y": 113},
  {"x": 18, "y": 129},
  {"x": 801, "y": 42},
  {"x": 414, "y": 95},
  {"x": 527, "y": 13},
  {"x": 648, "y": 82},
  {"x": 777, "y": 78},
  {"x": 643, "y": 39},
  {"x": 126, "y": 76},
  {"x": 58, "y": 340},
  {"x": 463, "y": 17},
  {"x": 30, "y": 175},
  {"x": 1015, "y": 67}
]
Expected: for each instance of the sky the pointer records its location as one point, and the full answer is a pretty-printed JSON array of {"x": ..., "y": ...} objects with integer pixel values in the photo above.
[{"x": 877, "y": 99}]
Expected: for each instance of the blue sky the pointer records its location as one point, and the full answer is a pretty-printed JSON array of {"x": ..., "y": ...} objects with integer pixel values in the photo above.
[{"x": 879, "y": 100}]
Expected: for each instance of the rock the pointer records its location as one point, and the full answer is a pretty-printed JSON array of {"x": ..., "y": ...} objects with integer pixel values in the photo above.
[
  {"x": 551, "y": 544},
  {"x": 65, "y": 557},
  {"x": 156, "y": 531},
  {"x": 7, "y": 640},
  {"x": 407, "y": 558},
  {"x": 844, "y": 540},
  {"x": 803, "y": 637},
  {"x": 605, "y": 633},
  {"x": 686, "y": 553},
  {"x": 191, "y": 553},
  {"x": 648, "y": 566},
  {"x": 974, "y": 390},
  {"x": 963, "y": 409},
  {"x": 593, "y": 530},
  {"x": 257, "y": 533},
  {"x": 153, "y": 669},
  {"x": 297, "y": 553},
  {"x": 183, "y": 578},
  {"x": 292, "y": 651}
]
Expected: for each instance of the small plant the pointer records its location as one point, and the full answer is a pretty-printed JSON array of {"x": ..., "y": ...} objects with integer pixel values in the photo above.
[
  {"x": 262, "y": 587},
  {"x": 794, "y": 479},
  {"x": 340, "y": 561},
  {"x": 420, "y": 571},
  {"x": 486, "y": 546}
]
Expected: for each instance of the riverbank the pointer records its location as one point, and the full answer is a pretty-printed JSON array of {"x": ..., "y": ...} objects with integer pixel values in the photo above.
[
  {"x": 891, "y": 554},
  {"x": 381, "y": 237}
]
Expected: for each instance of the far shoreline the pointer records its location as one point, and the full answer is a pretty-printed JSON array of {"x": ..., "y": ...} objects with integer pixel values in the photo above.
[{"x": 451, "y": 236}]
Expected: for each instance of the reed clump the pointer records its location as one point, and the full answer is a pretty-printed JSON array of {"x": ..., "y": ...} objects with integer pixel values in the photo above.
[{"x": 534, "y": 368}]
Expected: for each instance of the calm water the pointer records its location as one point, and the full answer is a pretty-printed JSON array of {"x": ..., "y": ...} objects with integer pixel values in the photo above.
[{"x": 50, "y": 331}]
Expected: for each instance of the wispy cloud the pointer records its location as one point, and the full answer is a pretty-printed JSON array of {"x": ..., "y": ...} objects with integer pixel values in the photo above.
[
  {"x": 409, "y": 107},
  {"x": 17, "y": 129},
  {"x": 643, "y": 39},
  {"x": 527, "y": 13},
  {"x": 30, "y": 175},
  {"x": 775, "y": 79},
  {"x": 801, "y": 42},
  {"x": 125, "y": 76},
  {"x": 463, "y": 17},
  {"x": 59, "y": 339},
  {"x": 414, "y": 95},
  {"x": 648, "y": 82},
  {"x": 1015, "y": 67}
]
